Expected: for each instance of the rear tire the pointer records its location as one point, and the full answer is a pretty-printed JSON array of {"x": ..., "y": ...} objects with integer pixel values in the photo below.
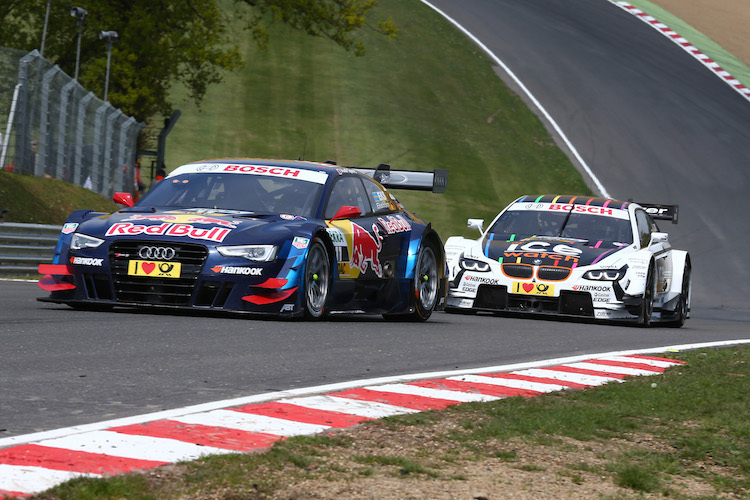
[
  {"x": 681, "y": 313},
  {"x": 425, "y": 286},
  {"x": 317, "y": 280}
]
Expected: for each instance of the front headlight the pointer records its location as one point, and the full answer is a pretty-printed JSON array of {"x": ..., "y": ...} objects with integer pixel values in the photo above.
[
  {"x": 80, "y": 241},
  {"x": 473, "y": 265},
  {"x": 256, "y": 253},
  {"x": 606, "y": 274}
]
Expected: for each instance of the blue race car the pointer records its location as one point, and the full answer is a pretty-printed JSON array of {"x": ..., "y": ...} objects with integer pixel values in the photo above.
[{"x": 287, "y": 238}]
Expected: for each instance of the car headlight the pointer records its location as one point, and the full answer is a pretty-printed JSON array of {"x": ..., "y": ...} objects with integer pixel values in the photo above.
[
  {"x": 605, "y": 274},
  {"x": 256, "y": 253},
  {"x": 80, "y": 241},
  {"x": 473, "y": 265}
]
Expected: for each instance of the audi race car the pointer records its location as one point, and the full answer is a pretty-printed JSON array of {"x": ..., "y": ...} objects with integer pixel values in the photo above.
[
  {"x": 288, "y": 238},
  {"x": 572, "y": 256}
]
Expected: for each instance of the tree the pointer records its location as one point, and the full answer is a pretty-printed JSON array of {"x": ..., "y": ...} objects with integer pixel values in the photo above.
[{"x": 165, "y": 42}]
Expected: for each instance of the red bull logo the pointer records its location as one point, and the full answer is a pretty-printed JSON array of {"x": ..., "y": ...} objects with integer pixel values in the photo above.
[
  {"x": 184, "y": 219},
  {"x": 366, "y": 249}
]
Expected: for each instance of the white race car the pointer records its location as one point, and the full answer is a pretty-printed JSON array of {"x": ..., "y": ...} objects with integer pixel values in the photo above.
[{"x": 572, "y": 256}]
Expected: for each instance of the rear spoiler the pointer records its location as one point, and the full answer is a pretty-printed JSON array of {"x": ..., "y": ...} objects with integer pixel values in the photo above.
[
  {"x": 435, "y": 181},
  {"x": 662, "y": 212}
]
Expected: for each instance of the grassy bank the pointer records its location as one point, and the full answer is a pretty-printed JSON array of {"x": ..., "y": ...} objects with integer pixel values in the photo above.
[
  {"x": 683, "y": 434},
  {"x": 45, "y": 201},
  {"x": 427, "y": 99}
]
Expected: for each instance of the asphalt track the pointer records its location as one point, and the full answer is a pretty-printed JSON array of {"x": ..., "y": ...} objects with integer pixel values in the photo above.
[
  {"x": 60, "y": 367},
  {"x": 649, "y": 120}
]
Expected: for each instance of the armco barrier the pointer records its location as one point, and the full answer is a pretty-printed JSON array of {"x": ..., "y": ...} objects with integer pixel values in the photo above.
[{"x": 24, "y": 246}]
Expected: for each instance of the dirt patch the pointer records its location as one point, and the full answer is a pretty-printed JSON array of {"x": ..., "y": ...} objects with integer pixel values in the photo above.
[
  {"x": 388, "y": 462},
  {"x": 726, "y": 22}
]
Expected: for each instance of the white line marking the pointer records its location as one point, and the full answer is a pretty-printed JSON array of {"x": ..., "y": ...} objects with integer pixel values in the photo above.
[
  {"x": 130, "y": 446},
  {"x": 599, "y": 186},
  {"x": 428, "y": 392},
  {"x": 577, "y": 378},
  {"x": 351, "y": 406},
  {"x": 650, "y": 362},
  {"x": 252, "y": 423},
  {"x": 512, "y": 383},
  {"x": 25, "y": 478},
  {"x": 634, "y": 372}
]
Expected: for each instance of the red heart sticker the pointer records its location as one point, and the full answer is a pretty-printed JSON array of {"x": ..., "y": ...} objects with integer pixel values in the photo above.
[
  {"x": 148, "y": 267},
  {"x": 527, "y": 287}
]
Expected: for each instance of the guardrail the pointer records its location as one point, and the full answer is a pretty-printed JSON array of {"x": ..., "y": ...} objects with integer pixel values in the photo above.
[{"x": 24, "y": 246}]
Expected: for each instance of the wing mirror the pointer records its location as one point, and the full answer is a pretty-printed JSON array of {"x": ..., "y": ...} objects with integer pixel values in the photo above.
[
  {"x": 658, "y": 238},
  {"x": 123, "y": 199},
  {"x": 347, "y": 212},
  {"x": 476, "y": 224}
]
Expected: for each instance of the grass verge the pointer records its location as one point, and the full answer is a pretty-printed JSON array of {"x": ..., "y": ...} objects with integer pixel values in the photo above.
[{"x": 683, "y": 434}]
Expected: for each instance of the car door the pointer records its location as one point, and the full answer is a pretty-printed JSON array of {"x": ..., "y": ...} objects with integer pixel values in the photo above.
[
  {"x": 651, "y": 238},
  {"x": 366, "y": 246}
]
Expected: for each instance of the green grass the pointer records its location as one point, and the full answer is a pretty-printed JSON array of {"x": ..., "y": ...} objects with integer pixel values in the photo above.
[
  {"x": 427, "y": 99},
  {"x": 696, "y": 417}
]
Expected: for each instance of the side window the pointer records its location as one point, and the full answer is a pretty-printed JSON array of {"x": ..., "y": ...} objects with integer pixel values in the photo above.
[
  {"x": 644, "y": 227},
  {"x": 379, "y": 199},
  {"x": 349, "y": 191}
]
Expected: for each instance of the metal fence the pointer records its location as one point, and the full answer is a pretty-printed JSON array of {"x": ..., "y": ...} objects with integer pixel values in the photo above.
[
  {"x": 53, "y": 127},
  {"x": 24, "y": 246}
]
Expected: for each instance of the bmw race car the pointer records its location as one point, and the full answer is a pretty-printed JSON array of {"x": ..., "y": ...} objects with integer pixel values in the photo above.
[
  {"x": 572, "y": 256},
  {"x": 288, "y": 238}
]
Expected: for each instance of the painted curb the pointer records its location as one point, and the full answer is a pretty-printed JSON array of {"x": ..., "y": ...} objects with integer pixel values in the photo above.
[
  {"x": 35, "y": 462},
  {"x": 688, "y": 47}
]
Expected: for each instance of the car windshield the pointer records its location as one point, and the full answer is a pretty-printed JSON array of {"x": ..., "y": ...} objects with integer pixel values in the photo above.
[
  {"x": 251, "y": 193},
  {"x": 520, "y": 224}
]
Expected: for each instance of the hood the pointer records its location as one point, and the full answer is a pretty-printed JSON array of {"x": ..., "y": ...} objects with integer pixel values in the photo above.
[
  {"x": 205, "y": 226},
  {"x": 549, "y": 251}
]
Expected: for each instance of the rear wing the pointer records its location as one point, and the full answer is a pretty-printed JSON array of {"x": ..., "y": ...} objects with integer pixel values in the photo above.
[
  {"x": 662, "y": 212},
  {"x": 435, "y": 181}
]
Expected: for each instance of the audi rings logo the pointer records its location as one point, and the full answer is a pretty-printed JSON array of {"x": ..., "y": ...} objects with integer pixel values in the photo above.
[{"x": 159, "y": 253}]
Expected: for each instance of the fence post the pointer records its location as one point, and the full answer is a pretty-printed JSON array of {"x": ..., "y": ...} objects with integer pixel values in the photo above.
[
  {"x": 23, "y": 112},
  {"x": 40, "y": 162},
  {"x": 81, "y": 123},
  {"x": 108, "y": 163},
  {"x": 95, "y": 172},
  {"x": 62, "y": 130}
]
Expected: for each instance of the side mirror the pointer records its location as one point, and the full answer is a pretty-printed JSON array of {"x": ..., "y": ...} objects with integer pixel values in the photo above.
[
  {"x": 476, "y": 224},
  {"x": 347, "y": 212},
  {"x": 123, "y": 199},
  {"x": 658, "y": 238}
]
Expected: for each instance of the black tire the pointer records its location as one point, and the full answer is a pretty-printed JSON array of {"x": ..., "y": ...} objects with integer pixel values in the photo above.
[
  {"x": 647, "y": 307},
  {"x": 317, "y": 280},
  {"x": 425, "y": 287},
  {"x": 681, "y": 312}
]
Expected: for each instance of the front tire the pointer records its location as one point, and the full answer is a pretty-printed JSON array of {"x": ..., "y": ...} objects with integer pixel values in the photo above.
[
  {"x": 647, "y": 306},
  {"x": 317, "y": 280}
]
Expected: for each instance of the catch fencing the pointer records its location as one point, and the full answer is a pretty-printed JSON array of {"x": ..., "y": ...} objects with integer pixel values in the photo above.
[{"x": 53, "y": 127}]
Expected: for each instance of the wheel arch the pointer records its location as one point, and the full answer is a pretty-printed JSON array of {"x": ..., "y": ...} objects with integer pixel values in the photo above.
[{"x": 429, "y": 236}]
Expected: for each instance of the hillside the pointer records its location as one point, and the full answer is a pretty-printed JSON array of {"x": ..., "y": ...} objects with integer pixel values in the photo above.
[{"x": 427, "y": 99}]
